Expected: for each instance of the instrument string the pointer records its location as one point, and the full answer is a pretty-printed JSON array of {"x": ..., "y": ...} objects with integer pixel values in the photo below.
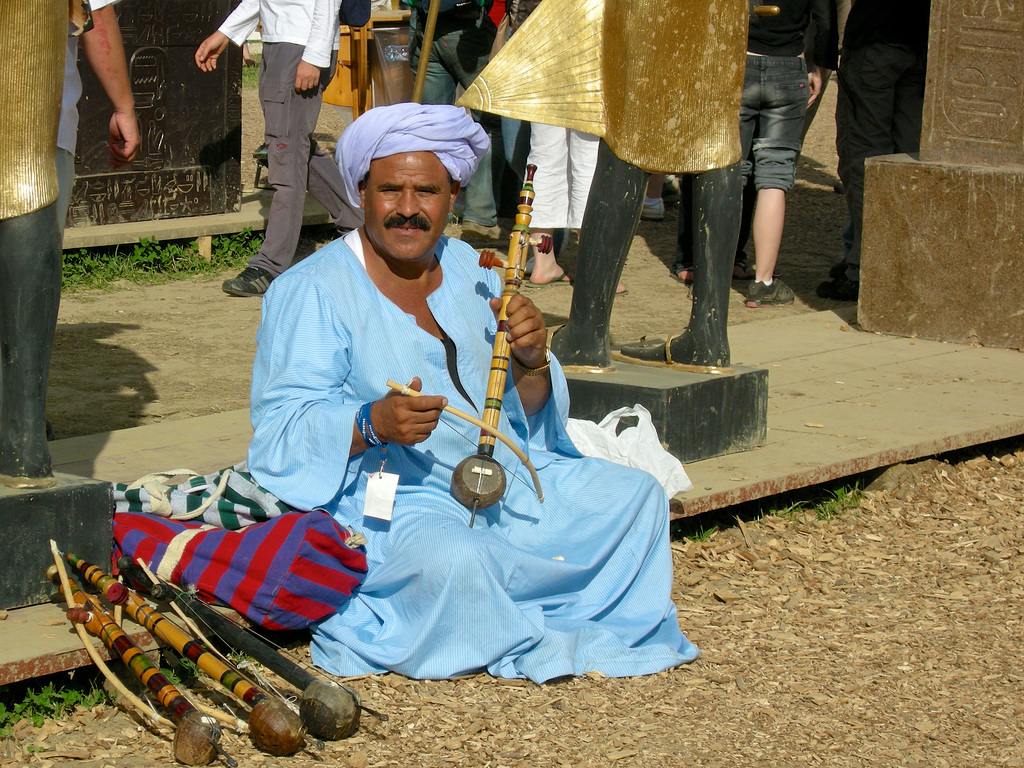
[{"x": 513, "y": 470}]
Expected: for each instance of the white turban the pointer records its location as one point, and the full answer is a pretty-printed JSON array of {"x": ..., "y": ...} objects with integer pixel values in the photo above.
[{"x": 447, "y": 131}]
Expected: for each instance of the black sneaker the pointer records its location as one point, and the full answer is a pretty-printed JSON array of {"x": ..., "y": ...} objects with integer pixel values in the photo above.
[
  {"x": 251, "y": 281},
  {"x": 839, "y": 289},
  {"x": 838, "y": 270},
  {"x": 776, "y": 294}
]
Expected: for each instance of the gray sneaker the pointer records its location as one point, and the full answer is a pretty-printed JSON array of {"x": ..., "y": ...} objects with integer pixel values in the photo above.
[
  {"x": 251, "y": 281},
  {"x": 474, "y": 229},
  {"x": 776, "y": 294}
]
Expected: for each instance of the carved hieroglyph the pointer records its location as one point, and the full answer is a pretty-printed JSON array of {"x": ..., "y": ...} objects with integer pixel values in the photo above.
[
  {"x": 974, "y": 99},
  {"x": 659, "y": 80}
]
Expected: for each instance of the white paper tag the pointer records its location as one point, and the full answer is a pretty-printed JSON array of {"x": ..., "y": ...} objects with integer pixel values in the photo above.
[{"x": 380, "y": 495}]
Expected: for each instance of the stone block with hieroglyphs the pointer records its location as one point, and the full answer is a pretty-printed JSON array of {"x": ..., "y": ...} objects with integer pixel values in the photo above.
[
  {"x": 942, "y": 250},
  {"x": 942, "y": 254},
  {"x": 974, "y": 99}
]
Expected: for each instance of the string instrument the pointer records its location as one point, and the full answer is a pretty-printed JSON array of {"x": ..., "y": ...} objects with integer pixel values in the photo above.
[
  {"x": 273, "y": 727},
  {"x": 329, "y": 710},
  {"x": 195, "y": 735},
  {"x": 478, "y": 480}
]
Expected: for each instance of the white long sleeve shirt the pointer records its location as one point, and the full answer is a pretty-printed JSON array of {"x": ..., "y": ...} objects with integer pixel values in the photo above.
[
  {"x": 312, "y": 24},
  {"x": 67, "y": 133}
]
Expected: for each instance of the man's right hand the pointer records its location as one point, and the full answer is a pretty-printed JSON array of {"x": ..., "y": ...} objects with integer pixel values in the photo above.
[
  {"x": 210, "y": 50},
  {"x": 124, "y": 138},
  {"x": 406, "y": 419}
]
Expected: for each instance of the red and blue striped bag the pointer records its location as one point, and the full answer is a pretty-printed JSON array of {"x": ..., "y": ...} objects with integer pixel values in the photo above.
[{"x": 285, "y": 573}]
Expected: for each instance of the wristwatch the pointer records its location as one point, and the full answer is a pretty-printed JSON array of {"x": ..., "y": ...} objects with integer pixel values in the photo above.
[{"x": 527, "y": 371}]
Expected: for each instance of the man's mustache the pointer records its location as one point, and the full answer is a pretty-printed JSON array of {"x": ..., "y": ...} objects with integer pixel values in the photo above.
[{"x": 398, "y": 220}]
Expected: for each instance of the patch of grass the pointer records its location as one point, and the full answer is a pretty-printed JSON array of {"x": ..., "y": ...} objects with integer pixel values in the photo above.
[
  {"x": 56, "y": 699},
  {"x": 251, "y": 74},
  {"x": 789, "y": 512},
  {"x": 843, "y": 498},
  {"x": 824, "y": 502},
  {"x": 693, "y": 528},
  {"x": 150, "y": 261}
]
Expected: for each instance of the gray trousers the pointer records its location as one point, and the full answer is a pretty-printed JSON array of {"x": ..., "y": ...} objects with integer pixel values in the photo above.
[
  {"x": 294, "y": 160},
  {"x": 881, "y": 96}
]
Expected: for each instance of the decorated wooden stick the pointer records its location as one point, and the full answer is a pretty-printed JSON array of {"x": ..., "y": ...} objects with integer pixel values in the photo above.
[
  {"x": 478, "y": 480},
  {"x": 147, "y": 712},
  {"x": 196, "y": 735},
  {"x": 328, "y": 710},
  {"x": 272, "y": 726}
]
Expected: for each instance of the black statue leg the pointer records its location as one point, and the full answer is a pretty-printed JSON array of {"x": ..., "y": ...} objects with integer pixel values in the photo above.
[
  {"x": 609, "y": 223},
  {"x": 708, "y": 234},
  {"x": 715, "y": 219},
  {"x": 30, "y": 265}
]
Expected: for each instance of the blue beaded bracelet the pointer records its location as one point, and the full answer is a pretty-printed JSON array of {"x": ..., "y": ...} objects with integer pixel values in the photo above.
[{"x": 366, "y": 426}]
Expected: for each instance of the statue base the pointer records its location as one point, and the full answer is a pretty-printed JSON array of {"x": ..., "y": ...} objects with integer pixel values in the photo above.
[
  {"x": 76, "y": 513},
  {"x": 697, "y": 415}
]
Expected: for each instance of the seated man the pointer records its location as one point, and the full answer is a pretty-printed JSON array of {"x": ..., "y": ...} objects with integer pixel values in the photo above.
[{"x": 577, "y": 583}]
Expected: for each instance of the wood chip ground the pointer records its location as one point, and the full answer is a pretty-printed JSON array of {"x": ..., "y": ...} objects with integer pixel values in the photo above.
[{"x": 889, "y": 635}]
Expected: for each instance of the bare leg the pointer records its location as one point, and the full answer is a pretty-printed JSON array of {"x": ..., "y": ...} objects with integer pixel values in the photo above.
[
  {"x": 654, "y": 185},
  {"x": 545, "y": 267},
  {"x": 769, "y": 220}
]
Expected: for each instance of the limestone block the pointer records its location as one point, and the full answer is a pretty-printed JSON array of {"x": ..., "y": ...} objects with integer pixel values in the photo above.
[{"x": 942, "y": 254}]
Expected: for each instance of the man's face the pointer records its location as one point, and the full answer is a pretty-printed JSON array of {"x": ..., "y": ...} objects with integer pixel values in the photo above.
[{"x": 406, "y": 200}]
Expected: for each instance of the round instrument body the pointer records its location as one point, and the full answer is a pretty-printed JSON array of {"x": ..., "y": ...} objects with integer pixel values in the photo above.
[
  {"x": 478, "y": 480},
  {"x": 328, "y": 711},
  {"x": 276, "y": 729},
  {"x": 195, "y": 739}
]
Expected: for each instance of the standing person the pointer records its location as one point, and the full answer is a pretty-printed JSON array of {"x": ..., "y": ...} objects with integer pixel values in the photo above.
[
  {"x": 577, "y": 584},
  {"x": 566, "y": 160},
  {"x": 31, "y": 220},
  {"x": 881, "y": 98},
  {"x": 104, "y": 50},
  {"x": 515, "y": 133},
  {"x": 461, "y": 48},
  {"x": 300, "y": 40},
  {"x": 777, "y": 89}
]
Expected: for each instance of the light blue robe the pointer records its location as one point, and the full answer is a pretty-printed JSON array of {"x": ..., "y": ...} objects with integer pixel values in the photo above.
[{"x": 578, "y": 583}]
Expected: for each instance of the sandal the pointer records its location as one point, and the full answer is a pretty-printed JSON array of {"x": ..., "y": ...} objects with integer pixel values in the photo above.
[{"x": 682, "y": 275}]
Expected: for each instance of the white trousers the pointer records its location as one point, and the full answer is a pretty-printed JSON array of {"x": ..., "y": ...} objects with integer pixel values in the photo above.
[{"x": 565, "y": 160}]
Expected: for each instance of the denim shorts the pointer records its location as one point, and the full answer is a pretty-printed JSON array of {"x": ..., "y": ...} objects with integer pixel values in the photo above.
[{"x": 772, "y": 109}]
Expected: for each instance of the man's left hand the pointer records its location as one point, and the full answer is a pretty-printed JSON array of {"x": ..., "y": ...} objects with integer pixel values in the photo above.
[
  {"x": 307, "y": 77},
  {"x": 527, "y": 334}
]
